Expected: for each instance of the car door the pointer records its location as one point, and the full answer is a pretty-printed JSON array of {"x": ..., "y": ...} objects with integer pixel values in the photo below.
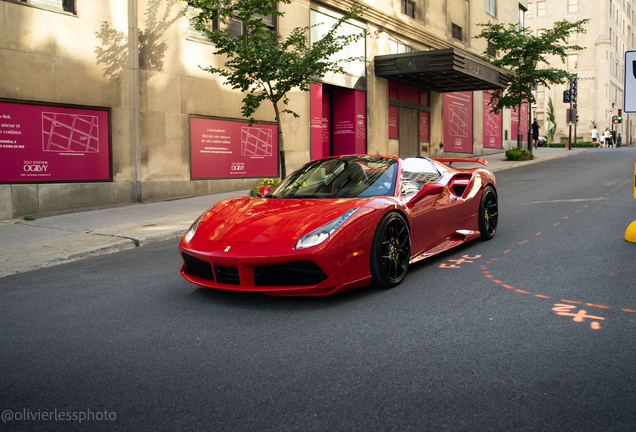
[{"x": 431, "y": 215}]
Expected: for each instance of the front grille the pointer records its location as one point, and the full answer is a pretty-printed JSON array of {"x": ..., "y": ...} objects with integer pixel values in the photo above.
[
  {"x": 198, "y": 267},
  {"x": 227, "y": 275},
  {"x": 289, "y": 274}
]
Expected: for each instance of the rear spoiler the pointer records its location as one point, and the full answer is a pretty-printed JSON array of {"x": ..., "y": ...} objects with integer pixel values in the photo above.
[{"x": 484, "y": 162}]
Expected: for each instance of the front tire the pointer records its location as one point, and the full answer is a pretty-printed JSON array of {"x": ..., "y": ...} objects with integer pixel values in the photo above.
[
  {"x": 390, "y": 251},
  {"x": 488, "y": 213}
]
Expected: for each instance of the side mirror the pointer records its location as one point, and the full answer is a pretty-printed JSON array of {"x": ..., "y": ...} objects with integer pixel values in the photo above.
[
  {"x": 264, "y": 190},
  {"x": 427, "y": 190}
]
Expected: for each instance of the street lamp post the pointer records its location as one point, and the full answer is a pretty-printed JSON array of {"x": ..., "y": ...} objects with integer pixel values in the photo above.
[{"x": 534, "y": 66}]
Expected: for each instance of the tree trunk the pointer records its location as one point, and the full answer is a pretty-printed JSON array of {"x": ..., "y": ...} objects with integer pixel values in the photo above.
[
  {"x": 281, "y": 152},
  {"x": 519, "y": 126}
]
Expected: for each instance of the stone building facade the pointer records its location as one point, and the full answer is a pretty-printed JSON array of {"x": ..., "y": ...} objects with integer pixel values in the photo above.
[
  {"x": 105, "y": 101},
  {"x": 600, "y": 67}
]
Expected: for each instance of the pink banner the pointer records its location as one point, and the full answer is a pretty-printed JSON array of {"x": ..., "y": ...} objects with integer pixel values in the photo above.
[
  {"x": 492, "y": 125},
  {"x": 424, "y": 97},
  {"x": 424, "y": 126},
  {"x": 393, "y": 122},
  {"x": 317, "y": 149},
  {"x": 393, "y": 90},
  {"x": 326, "y": 125},
  {"x": 409, "y": 93},
  {"x": 224, "y": 148},
  {"x": 523, "y": 127},
  {"x": 40, "y": 143},
  {"x": 349, "y": 122},
  {"x": 458, "y": 122}
]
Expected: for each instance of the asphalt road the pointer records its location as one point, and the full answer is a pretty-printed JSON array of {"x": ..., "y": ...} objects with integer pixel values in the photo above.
[{"x": 532, "y": 331}]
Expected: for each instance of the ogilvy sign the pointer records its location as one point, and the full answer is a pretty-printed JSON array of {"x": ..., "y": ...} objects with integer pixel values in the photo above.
[
  {"x": 227, "y": 148},
  {"x": 41, "y": 143}
]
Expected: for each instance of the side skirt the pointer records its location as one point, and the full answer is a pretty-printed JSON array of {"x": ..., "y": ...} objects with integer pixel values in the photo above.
[{"x": 460, "y": 237}]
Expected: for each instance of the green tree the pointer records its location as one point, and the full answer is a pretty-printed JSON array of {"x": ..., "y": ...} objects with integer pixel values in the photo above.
[
  {"x": 264, "y": 65},
  {"x": 519, "y": 52},
  {"x": 552, "y": 121}
]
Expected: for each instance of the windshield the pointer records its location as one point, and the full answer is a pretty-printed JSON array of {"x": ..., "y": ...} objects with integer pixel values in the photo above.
[{"x": 342, "y": 177}]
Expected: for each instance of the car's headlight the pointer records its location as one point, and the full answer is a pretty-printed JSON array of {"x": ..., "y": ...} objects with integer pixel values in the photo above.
[
  {"x": 193, "y": 228},
  {"x": 322, "y": 233}
]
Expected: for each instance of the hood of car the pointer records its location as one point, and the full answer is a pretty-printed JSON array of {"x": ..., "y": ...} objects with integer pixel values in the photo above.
[{"x": 259, "y": 220}]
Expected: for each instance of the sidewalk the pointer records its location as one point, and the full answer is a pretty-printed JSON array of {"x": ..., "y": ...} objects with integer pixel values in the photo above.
[{"x": 62, "y": 237}]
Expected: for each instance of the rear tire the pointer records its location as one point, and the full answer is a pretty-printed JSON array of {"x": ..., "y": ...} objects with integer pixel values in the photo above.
[
  {"x": 488, "y": 213},
  {"x": 390, "y": 251}
]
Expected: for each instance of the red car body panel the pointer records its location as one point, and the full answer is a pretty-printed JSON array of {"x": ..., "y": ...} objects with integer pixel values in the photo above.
[{"x": 242, "y": 239}]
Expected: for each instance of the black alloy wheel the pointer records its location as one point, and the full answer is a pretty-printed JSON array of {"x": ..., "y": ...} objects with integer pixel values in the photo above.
[
  {"x": 390, "y": 251},
  {"x": 488, "y": 213}
]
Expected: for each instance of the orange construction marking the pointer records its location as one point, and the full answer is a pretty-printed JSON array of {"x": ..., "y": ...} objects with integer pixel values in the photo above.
[
  {"x": 578, "y": 211},
  {"x": 629, "y": 310},
  {"x": 497, "y": 281},
  {"x": 570, "y": 301},
  {"x": 490, "y": 276},
  {"x": 525, "y": 241},
  {"x": 509, "y": 287},
  {"x": 579, "y": 316},
  {"x": 539, "y": 233},
  {"x": 558, "y": 223},
  {"x": 598, "y": 306},
  {"x": 542, "y": 296},
  {"x": 586, "y": 205},
  {"x": 566, "y": 217},
  {"x": 595, "y": 325},
  {"x": 506, "y": 251},
  {"x": 523, "y": 292}
]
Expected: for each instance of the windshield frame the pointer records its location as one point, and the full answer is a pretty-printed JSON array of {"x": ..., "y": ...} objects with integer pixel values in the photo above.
[{"x": 351, "y": 176}]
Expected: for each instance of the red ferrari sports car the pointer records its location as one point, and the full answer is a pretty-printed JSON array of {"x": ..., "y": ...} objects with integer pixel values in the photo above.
[{"x": 340, "y": 223}]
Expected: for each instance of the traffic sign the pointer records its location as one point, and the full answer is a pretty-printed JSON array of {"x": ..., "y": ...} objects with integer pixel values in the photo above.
[
  {"x": 629, "y": 95},
  {"x": 610, "y": 111}
]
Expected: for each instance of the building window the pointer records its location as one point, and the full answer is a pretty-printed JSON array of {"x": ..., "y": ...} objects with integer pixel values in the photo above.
[
  {"x": 321, "y": 22},
  {"x": 408, "y": 8},
  {"x": 529, "y": 11},
  {"x": 573, "y": 38},
  {"x": 540, "y": 92},
  {"x": 573, "y": 6},
  {"x": 396, "y": 47},
  {"x": 522, "y": 13},
  {"x": 233, "y": 27},
  {"x": 490, "y": 50},
  {"x": 491, "y": 7},
  {"x": 541, "y": 8},
  {"x": 573, "y": 60},
  {"x": 457, "y": 32},
  {"x": 54, "y": 5}
]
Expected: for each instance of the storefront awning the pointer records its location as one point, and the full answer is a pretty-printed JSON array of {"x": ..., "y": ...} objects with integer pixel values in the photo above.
[{"x": 445, "y": 70}]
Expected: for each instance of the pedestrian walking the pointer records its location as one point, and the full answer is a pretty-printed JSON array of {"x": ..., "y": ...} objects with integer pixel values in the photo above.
[
  {"x": 607, "y": 142},
  {"x": 619, "y": 140},
  {"x": 594, "y": 134},
  {"x": 535, "y": 133}
]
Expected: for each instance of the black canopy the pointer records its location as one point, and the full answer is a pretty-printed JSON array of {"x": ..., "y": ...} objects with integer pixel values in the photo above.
[{"x": 445, "y": 70}]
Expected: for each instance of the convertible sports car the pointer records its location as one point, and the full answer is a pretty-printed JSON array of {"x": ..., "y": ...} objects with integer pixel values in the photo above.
[{"x": 340, "y": 223}]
